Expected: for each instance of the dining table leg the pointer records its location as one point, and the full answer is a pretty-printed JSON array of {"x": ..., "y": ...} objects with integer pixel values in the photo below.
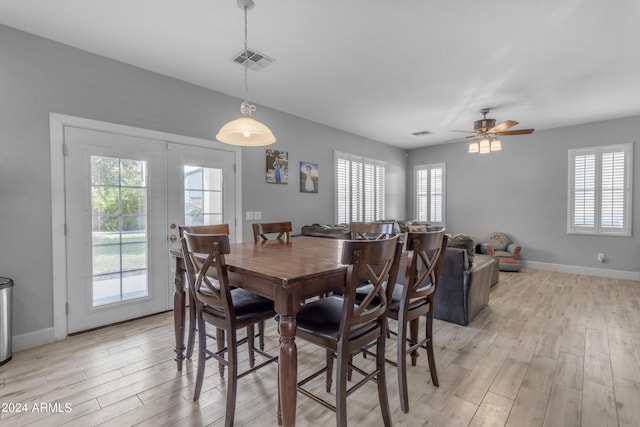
[
  {"x": 287, "y": 371},
  {"x": 179, "y": 305}
]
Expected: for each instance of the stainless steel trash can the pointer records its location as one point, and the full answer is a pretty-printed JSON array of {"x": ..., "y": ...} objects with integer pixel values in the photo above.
[{"x": 6, "y": 286}]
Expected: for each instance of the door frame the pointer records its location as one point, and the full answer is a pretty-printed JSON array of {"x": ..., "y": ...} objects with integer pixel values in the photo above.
[{"x": 57, "y": 124}]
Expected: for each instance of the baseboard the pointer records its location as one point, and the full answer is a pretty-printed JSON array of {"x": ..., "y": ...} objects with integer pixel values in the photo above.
[
  {"x": 33, "y": 339},
  {"x": 587, "y": 271}
]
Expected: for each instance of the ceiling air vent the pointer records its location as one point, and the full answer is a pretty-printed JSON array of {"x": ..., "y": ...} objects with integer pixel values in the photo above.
[
  {"x": 253, "y": 59},
  {"x": 421, "y": 133}
]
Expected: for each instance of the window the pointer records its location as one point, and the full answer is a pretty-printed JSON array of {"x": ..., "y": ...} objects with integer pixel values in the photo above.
[
  {"x": 359, "y": 188},
  {"x": 202, "y": 195},
  {"x": 600, "y": 190},
  {"x": 119, "y": 234},
  {"x": 431, "y": 193}
]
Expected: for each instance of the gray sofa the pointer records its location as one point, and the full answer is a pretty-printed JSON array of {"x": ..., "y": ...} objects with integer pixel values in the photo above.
[{"x": 341, "y": 231}]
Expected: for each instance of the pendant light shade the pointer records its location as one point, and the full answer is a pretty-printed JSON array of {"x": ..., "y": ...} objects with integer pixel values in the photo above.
[
  {"x": 246, "y": 131},
  {"x": 473, "y": 147},
  {"x": 496, "y": 145}
]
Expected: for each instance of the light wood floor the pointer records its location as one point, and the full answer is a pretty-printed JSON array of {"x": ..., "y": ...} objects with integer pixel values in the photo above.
[{"x": 551, "y": 349}]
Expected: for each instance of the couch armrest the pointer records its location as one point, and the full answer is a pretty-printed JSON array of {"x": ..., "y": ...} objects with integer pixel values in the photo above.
[
  {"x": 462, "y": 293},
  {"x": 451, "y": 293},
  {"x": 514, "y": 250},
  {"x": 481, "y": 277},
  {"x": 486, "y": 249}
]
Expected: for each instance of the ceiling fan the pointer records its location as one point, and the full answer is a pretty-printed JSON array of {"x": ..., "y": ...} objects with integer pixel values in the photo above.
[{"x": 485, "y": 133}]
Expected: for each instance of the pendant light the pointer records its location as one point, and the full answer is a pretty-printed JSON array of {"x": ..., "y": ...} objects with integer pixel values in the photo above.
[
  {"x": 246, "y": 131},
  {"x": 496, "y": 145}
]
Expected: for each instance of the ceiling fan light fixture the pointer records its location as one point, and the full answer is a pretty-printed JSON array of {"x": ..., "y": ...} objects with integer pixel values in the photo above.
[
  {"x": 488, "y": 131},
  {"x": 485, "y": 146},
  {"x": 246, "y": 131},
  {"x": 474, "y": 147}
]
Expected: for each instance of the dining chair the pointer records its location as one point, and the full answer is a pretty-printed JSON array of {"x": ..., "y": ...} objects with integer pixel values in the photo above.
[
  {"x": 414, "y": 298},
  {"x": 198, "y": 229},
  {"x": 343, "y": 327},
  {"x": 371, "y": 230},
  {"x": 260, "y": 231},
  {"x": 226, "y": 309}
]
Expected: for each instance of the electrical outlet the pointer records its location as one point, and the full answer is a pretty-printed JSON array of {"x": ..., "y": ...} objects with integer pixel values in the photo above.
[
  {"x": 257, "y": 215},
  {"x": 601, "y": 257}
]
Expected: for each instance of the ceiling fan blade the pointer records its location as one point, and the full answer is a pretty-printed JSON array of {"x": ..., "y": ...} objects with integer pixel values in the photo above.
[
  {"x": 465, "y": 131},
  {"x": 516, "y": 132},
  {"x": 458, "y": 139},
  {"x": 503, "y": 126}
]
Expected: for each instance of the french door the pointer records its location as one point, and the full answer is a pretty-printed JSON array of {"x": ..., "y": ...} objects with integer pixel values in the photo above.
[{"x": 124, "y": 198}]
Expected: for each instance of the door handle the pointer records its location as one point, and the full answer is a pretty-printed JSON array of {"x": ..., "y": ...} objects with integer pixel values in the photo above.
[{"x": 173, "y": 237}]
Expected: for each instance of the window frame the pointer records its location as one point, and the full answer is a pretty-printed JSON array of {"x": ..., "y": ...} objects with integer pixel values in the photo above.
[
  {"x": 598, "y": 228},
  {"x": 416, "y": 195},
  {"x": 379, "y": 190}
]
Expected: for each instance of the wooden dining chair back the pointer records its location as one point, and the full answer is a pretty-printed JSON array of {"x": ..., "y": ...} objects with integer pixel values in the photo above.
[
  {"x": 282, "y": 229},
  {"x": 371, "y": 230},
  {"x": 415, "y": 299},
  {"x": 226, "y": 308},
  {"x": 342, "y": 326},
  {"x": 202, "y": 229}
]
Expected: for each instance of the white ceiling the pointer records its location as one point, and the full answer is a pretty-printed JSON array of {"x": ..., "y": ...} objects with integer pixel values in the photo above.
[{"x": 380, "y": 69}]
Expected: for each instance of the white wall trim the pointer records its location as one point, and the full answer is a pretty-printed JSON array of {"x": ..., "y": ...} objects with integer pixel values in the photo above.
[
  {"x": 57, "y": 125},
  {"x": 33, "y": 339},
  {"x": 586, "y": 271}
]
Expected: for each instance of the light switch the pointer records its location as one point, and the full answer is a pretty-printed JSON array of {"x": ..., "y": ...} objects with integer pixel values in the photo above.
[
  {"x": 249, "y": 215},
  {"x": 257, "y": 215}
]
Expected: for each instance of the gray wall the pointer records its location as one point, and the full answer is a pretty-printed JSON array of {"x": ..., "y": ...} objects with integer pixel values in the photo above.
[
  {"x": 522, "y": 190},
  {"x": 38, "y": 76},
  {"x": 311, "y": 142}
]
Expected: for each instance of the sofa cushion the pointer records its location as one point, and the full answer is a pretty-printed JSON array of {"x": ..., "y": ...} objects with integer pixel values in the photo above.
[
  {"x": 404, "y": 224},
  {"x": 499, "y": 241},
  {"x": 465, "y": 242},
  {"x": 502, "y": 254}
]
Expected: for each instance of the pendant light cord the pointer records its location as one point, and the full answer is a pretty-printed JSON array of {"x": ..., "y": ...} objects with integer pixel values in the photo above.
[
  {"x": 245, "y": 108},
  {"x": 246, "y": 55}
]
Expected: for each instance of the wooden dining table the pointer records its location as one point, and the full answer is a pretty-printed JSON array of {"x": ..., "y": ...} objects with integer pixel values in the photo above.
[{"x": 286, "y": 273}]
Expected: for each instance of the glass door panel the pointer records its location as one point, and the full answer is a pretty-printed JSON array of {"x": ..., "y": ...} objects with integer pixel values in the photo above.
[
  {"x": 119, "y": 229},
  {"x": 202, "y": 195}
]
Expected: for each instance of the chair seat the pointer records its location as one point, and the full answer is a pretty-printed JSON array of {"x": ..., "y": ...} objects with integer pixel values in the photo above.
[
  {"x": 245, "y": 304},
  {"x": 502, "y": 254},
  {"x": 322, "y": 318}
]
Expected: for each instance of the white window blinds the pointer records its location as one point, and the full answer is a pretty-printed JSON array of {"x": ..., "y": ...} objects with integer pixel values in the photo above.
[
  {"x": 360, "y": 184},
  {"x": 600, "y": 190},
  {"x": 430, "y": 193}
]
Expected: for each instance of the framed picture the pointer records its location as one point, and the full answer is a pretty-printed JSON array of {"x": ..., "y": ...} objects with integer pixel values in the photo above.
[
  {"x": 308, "y": 177},
  {"x": 277, "y": 166}
]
